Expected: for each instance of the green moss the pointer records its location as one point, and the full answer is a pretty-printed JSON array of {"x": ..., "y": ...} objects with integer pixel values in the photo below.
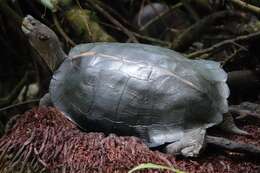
[{"x": 85, "y": 26}]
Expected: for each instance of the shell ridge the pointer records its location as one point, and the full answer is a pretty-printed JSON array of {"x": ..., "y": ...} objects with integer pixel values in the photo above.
[
  {"x": 120, "y": 98},
  {"x": 117, "y": 58}
]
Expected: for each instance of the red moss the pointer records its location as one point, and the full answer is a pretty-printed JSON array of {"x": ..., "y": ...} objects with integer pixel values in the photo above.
[{"x": 55, "y": 142}]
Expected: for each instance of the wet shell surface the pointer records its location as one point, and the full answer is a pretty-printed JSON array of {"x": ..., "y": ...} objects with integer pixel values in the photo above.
[{"x": 136, "y": 89}]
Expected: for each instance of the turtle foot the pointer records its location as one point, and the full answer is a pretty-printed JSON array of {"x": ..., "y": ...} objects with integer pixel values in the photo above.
[
  {"x": 190, "y": 145},
  {"x": 229, "y": 125},
  {"x": 46, "y": 100}
]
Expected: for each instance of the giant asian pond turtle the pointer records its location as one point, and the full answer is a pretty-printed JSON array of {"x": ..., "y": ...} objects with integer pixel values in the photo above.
[{"x": 133, "y": 89}]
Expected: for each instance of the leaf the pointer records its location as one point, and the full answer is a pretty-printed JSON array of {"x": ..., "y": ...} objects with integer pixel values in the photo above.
[
  {"x": 55, "y": 5},
  {"x": 50, "y": 4},
  {"x": 153, "y": 166}
]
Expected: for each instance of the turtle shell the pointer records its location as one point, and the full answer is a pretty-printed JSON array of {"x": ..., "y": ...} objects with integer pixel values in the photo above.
[{"x": 136, "y": 89}]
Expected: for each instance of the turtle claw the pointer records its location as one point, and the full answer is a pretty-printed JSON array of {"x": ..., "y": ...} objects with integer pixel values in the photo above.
[
  {"x": 190, "y": 145},
  {"x": 238, "y": 131}
]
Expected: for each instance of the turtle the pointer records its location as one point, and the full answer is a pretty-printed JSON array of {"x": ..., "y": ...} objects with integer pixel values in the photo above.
[{"x": 133, "y": 89}]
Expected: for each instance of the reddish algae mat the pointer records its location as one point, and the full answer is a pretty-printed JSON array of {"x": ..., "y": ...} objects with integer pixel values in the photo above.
[{"x": 43, "y": 140}]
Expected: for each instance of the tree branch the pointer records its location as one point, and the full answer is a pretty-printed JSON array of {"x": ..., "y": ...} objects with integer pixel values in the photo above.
[
  {"x": 195, "y": 31},
  {"x": 247, "y": 6},
  {"x": 114, "y": 21},
  {"x": 232, "y": 145},
  {"x": 217, "y": 46}
]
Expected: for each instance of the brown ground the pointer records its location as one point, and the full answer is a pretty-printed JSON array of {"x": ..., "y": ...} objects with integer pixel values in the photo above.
[{"x": 43, "y": 140}]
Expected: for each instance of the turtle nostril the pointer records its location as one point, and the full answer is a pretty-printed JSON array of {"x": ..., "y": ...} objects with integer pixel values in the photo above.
[{"x": 33, "y": 23}]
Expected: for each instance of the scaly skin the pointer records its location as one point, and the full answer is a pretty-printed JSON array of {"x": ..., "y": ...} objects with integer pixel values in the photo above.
[{"x": 45, "y": 42}]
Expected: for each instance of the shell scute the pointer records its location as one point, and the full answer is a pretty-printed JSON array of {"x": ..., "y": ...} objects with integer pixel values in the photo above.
[{"x": 136, "y": 89}]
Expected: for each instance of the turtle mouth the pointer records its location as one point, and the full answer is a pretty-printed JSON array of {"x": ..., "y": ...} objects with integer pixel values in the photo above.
[
  {"x": 26, "y": 28},
  {"x": 27, "y": 25}
]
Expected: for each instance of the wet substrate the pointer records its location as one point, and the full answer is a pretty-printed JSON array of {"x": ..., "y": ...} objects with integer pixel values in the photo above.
[{"x": 43, "y": 140}]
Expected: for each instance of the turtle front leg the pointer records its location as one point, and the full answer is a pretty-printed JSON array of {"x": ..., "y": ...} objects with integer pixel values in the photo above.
[
  {"x": 190, "y": 145},
  {"x": 46, "y": 100}
]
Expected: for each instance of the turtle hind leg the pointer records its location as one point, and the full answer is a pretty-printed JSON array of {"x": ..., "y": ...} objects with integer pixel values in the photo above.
[
  {"x": 46, "y": 100},
  {"x": 229, "y": 125},
  {"x": 190, "y": 145},
  {"x": 243, "y": 110}
]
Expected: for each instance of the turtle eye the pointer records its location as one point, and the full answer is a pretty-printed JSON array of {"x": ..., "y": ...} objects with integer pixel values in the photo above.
[{"x": 43, "y": 37}]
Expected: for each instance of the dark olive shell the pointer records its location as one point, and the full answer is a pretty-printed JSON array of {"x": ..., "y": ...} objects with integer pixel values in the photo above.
[{"x": 136, "y": 89}]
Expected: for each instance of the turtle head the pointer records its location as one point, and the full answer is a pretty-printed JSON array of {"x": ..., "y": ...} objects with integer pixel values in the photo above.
[{"x": 44, "y": 41}]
